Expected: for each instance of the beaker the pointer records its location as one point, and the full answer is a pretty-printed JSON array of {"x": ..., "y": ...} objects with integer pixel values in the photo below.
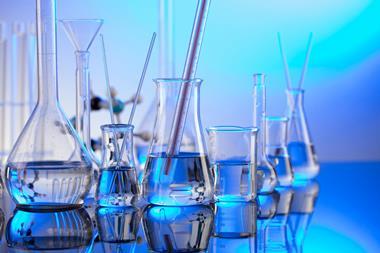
[
  {"x": 266, "y": 175},
  {"x": 186, "y": 178},
  {"x": 178, "y": 229},
  {"x": 118, "y": 184},
  {"x": 234, "y": 227},
  {"x": 45, "y": 231},
  {"x": 276, "y": 149},
  {"x": 232, "y": 152},
  {"x": 300, "y": 145},
  {"x": 48, "y": 167},
  {"x": 301, "y": 211},
  {"x": 118, "y": 227}
]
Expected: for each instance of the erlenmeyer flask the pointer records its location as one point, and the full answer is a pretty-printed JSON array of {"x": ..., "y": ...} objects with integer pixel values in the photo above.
[
  {"x": 266, "y": 175},
  {"x": 45, "y": 231},
  {"x": 186, "y": 178},
  {"x": 276, "y": 148},
  {"x": 48, "y": 167},
  {"x": 178, "y": 229},
  {"x": 118, "y": 185},
  {"x": 300, "y": 145},
  {"x": 118, "y": 228}
]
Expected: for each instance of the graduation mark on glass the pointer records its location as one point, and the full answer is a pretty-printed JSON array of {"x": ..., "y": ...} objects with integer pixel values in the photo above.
[{"x": 188, "y": 73}]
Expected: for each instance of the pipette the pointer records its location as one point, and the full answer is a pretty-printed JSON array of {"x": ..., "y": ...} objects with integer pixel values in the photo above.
[{"x": 188, "y": 73}]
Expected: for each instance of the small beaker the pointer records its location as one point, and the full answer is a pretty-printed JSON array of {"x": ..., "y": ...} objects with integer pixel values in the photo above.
[
  {"x": 232, "y": 152},
  {"x": 276, "y": 149},
  {"x": 300, "y": 145},
  {"x": 118, "y": 184}
]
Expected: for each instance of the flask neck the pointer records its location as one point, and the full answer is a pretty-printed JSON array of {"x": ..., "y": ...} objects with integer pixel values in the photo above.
[
  {"x": 259, "y": 114},
  {"x": 295, "y": 99},
  {"x": 46, "y": 52}
]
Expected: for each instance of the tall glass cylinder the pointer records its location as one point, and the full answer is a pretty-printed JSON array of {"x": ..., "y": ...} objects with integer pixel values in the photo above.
[
  {"x": 48, "y": 167},
  {"x": 186, "y": 178},
  {"x": 266, "y": 175}
]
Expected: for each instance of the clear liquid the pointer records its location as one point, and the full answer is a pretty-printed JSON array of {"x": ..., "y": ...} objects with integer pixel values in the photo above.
[
  {"x": 187, "y": 180},
  {"x": 304, "y": 161},
  {"x": 117, "y": 186},
  {"x": 48, "y": 184},
  {"x": 283, "y": 169},
  {"x": 235, "y": 181}
]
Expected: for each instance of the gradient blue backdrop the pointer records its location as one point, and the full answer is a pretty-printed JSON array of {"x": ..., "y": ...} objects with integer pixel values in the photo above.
[{"x": 342, "y": 82}]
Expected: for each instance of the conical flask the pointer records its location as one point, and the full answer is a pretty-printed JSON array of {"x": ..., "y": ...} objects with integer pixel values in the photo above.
[
  {"x": 186, "y": 178},
  {"x": 300, "y": 146},
  {"x": 266, "y": 175},
  {"x": 48, "y": 167},
  {"x": 82, "y": 33}
]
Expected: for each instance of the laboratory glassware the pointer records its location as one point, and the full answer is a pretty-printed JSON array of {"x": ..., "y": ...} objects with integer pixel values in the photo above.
[
  {"x": 267, "y": 207},
  {"x": 276, "y": 149},
  {"x": 232, "y": 152},
  {"x": 301, "y": 211},
  {"x": 178, "y": 229},
  {"x": 266, "y": 175},
  {"x": 82, "y": 33},
  {"x": 118, "y": 184},
  {"x": 48, "y": 167},
  {"x": 40, "y": 231},
  {"x": 118, "y": 228},
  {"x": 301, "y": 149},
  {"x": 277, "y": 232},
  {"x": 3, "y": 82},
  {"x": 186, "y": 178},
  {"x": 234, "y": 227}
]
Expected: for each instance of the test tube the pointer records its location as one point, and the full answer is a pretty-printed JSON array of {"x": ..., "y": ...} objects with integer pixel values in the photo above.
[
  {"x": 3, "y": 83},
  {"x": 188, "y": 73},
  {"x": 166, "y": 39}
]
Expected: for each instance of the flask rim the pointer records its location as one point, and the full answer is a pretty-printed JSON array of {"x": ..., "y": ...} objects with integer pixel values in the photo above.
[
  {"x": 232, "y": 129},
  {"x": 277, "y": 118},
  {"x": 296, "y": 90},
  {"x": 119, "y": 127},
  {"x": 176, "y": 81}
]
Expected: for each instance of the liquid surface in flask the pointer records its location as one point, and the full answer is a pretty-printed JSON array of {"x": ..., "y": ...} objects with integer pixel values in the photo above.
[
  {"x": 184, "y": 185},
  {"x": 233, "y": 180},
  {"x": 118, "y": 186},
  {"x": 283, "y": 167},
  {"x": 304, "y": 160},
  {"x": 48, "y": 183}
]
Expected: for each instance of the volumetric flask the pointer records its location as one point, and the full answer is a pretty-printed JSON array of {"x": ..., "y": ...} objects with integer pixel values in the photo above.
[
  {"x": 185, "y": 178},
  {"x": 266, "y": 175},
  {"x": 178, "y": 229},
  {"x": 300, "y": 145},
  {"x": 118, "y": 184},
  {"x": 276, "y": 149},
  {"x": 45, "y": 231},
  {"x": 118, "y": 227},
  {"x": 48, "y": 167},
  {"x": 232, "y": 152}
]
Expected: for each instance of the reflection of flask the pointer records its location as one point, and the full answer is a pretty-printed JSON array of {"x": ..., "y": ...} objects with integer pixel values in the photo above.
[
  {"x": 185, "y": 178},
  {"x": 301, "y": 211},
  {"x": 267, "y": 205},
  {"x": 277, "y": 238},
  {"x": 266, "y": 175},
  {"x": 48, "y": 166},
  {"x": 118, "y": 228},
  {"x": 234, "y": 227},
  {"x": 178, "y": 229},
  {"x": 69, "y": 231},
  {"x": 300, "y": 145}
]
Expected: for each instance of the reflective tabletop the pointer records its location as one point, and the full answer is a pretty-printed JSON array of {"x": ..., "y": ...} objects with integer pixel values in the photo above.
[{"x": 338, "y": 212}]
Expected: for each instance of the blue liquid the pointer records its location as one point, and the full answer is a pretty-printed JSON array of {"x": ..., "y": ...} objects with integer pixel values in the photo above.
[
  {"x": 48, "y": 184},
  {"x": 303, "y": 159},
  {"x": 117, "y": 187},
  {"x": 184, "y": 180},
  {"x": 235, "y": 181}
]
